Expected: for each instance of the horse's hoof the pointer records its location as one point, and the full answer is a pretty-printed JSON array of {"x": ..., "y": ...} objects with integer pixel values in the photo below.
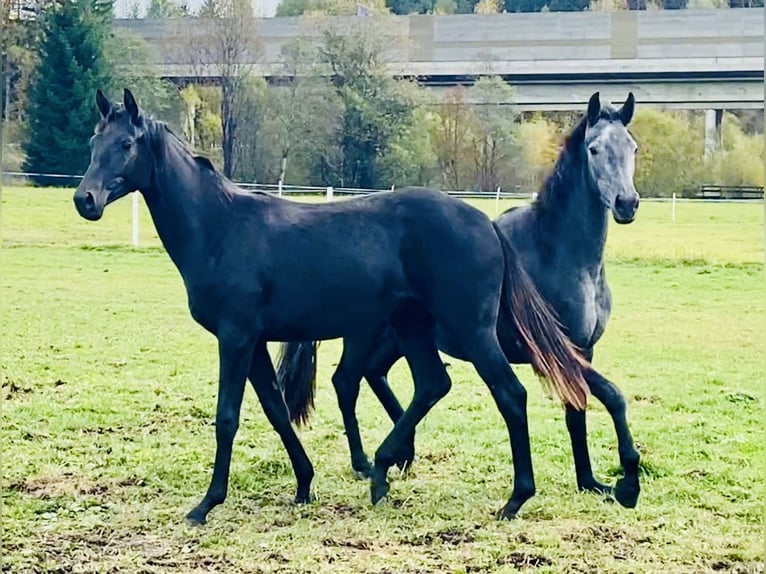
[
  {"x": 406, "y": 455},
  {"x": 626, "y": 494},
  {"x": 378, "y": 491},
  {"x": 195, "y": 518},
  {"x": 506, "y": 513},
  {"x": 304, "y": 499},
  {"x": 598, "y": 488},
  {"x": 362, "y": 471}
]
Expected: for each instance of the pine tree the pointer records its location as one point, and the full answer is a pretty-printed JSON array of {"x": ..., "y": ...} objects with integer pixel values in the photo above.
[{"x": 71, "y": 67}]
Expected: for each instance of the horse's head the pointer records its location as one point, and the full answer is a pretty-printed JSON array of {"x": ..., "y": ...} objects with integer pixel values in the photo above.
[
  {"x": 610, "y": 153},
  {"x": 120, "y": 160}
]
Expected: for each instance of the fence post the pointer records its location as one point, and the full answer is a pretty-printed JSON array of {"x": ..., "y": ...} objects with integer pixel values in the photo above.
[
  {"x": 673, "y": 207},
  {"x": 279, "y": 188},
  {"x": 497, "y": 200},
  {"x": 329, "y": 193},
  {"x": 135, "y": 219}
]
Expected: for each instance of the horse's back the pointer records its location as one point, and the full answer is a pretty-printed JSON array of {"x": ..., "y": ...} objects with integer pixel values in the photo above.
[{"x": 364, "y": 255}]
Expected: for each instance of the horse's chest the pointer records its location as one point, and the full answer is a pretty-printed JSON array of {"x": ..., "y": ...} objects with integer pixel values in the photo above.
[
  {"x": 578, "y": 300},
  {"x": 210, "y": 306}
]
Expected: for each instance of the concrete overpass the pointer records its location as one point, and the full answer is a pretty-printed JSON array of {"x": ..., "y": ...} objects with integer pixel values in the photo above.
[{"x": 693, "y": 59}]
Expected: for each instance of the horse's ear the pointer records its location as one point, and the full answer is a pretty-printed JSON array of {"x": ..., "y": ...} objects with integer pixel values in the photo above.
[
  {"x": 104, "y": 105},
  {"x": 594, "y": 109},
  {"x": 626, "y": 111},
  {"x": 132, "y": 107}
]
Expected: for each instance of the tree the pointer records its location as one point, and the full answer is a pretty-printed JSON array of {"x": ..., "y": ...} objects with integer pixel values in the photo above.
[
  {"x": 227, "y": 49},
  {"x": 488, "y": 7},
  {"x": 404, "y": 7},
  {"x": 740, "y": 159},
  {"x": 71, "y": 67},
  {"x": 20, "y": 23},
  {"x": 669, "y": 159},
  {"x": 158, "y": 97},
  {"x": 375, "y": 111},
  {"x": 540, "y": 141},
  {"x": 568, "y": 5},
  {"x": 165, "y": 9},
  {"x": 327, "y": 7},
  {"x": 452, "y": 138},
  {"x": 303, "y": 115},
  {"x": 524, "y": 5},
  {"x": 495, "y": 132}
]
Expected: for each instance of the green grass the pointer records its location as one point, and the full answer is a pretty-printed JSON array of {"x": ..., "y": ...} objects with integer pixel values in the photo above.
[{"x": 109, "y": 401}]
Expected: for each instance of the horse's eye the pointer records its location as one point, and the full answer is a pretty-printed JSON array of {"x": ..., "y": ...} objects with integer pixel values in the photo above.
[
  {"x": 593, "y": 150},
  {"x": 127, "y": 144}
]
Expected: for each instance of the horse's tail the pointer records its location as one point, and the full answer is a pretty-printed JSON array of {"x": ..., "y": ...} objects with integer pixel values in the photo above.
[
  {"x": 554, "y": 358},
  {"x": 296, "y": 377}
]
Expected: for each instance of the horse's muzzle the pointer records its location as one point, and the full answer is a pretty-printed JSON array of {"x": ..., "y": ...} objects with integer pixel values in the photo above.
[
  {"x": 625, "y": 208},
  {"x": 87, "y": 206}
]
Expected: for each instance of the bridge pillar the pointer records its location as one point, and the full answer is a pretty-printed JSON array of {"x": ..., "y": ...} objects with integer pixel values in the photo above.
[{"x": 713, "y": 120}]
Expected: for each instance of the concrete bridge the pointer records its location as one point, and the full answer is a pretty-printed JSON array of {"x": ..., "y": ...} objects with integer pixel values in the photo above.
[{"x": 693, "y": 59}]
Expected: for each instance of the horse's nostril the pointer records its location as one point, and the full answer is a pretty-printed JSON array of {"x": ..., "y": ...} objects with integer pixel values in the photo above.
[
  {"x": 630, "y": 202},
  {"x": 90, "y": 201}
]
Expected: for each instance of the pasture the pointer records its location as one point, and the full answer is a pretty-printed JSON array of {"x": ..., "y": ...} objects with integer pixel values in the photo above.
[{"x": 109, "y": 399}]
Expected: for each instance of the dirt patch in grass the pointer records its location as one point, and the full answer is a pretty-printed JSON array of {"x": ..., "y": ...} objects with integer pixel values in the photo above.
[
  {"x": 519, "y": 560},
  {"x": 733, "y": 565},
  {"x": 67, "y": 484},
  {"x": 453, "y": 536},
  {"x": 355, "y": 544},
  {"x": 13, "y": 389},
  {"x": 599, "y": 533},
  {"x": 105, "y": 550}
]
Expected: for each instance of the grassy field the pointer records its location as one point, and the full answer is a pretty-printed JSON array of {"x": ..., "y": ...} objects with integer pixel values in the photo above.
[{"x": 109, "y": 401}]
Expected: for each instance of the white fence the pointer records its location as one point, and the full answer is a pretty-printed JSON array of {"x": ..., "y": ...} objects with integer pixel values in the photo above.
[{"x": 330, "y": 194}]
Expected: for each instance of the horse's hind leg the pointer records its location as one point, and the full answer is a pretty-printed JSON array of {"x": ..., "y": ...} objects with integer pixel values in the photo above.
[
  {"x": 376, "y": 355},
  {"x": 234, "y": 355},
  {"x": 386, "y": 354},
  {"x": 263, "y": 379},
  {"x": 627, "y": 489},
  {"x": 578, "y": 435},
  {"x": 415, "y": 330},
  {"x": 347, "y": 377}
]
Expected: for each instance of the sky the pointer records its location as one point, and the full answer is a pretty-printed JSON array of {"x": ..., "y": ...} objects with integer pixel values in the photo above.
[{"x": 262, "y": 8}]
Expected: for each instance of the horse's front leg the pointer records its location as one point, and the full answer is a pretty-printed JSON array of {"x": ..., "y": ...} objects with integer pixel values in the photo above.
[
  {"x": 578, "y": 435},
  {"x": 235, "y": 352},
  {"x": 627, "y": 488},
  {"x": 263, "y": 379}
]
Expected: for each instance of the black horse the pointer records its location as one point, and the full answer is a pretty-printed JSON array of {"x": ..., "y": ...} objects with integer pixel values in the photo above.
[
  {"x": 560, "y": 240},
  {"x": 258, "y": 268}
]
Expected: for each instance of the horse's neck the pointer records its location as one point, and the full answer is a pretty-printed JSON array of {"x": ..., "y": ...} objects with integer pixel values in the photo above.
[
  {"x": 184, "y": 213},
  {"x": 576, "y": 217}
]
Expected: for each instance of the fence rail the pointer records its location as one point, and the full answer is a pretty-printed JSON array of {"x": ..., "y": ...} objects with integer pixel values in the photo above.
[
  {"x": 282, "y": 189},
  {"x": 330, "y": 192},
  {"x": 704, "y": 193},
  {"x": 723, "y": 192}
]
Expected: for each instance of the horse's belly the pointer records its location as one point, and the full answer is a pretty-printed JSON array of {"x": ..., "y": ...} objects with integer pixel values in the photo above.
[{"x": 330, "y": 311}]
